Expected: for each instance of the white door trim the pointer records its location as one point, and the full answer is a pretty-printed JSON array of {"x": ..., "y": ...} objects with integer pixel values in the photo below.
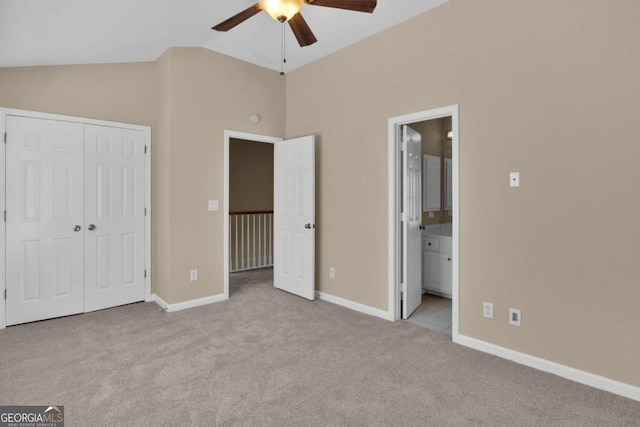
[
  {"x": 74, "y": 119},
  {"x": 394, "y": 232},
  {"x": 3, "y": 224},
  {"x": 147, "y": 223},
  {"x": 228, "y": 134},
  {"x": 4, "y": 112}
]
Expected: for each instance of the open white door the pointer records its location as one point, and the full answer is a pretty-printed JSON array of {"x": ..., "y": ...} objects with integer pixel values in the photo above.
[
  {"x": 44, "y": 219},
  {"x": 294, "y": 216},
  {"x": 411, "y": 222}
]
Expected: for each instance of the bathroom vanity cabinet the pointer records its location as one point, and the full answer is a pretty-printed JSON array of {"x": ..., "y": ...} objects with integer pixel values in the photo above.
[{"x": 436, "y": 263}]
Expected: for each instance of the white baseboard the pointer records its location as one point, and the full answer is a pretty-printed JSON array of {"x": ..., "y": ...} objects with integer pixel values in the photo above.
[
  {"x": 354, "y": 306},
  {"x": 596, "y": 381},
  {"x": 187, "y": 304}
]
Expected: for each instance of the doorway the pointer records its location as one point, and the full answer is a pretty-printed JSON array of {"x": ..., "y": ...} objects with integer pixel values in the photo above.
[
  {"x": 436, "y": 225},
  {"x": 250, "y": 207},
  {"x": 248, "y": 203},
  {"x": 293, "y": 216}
]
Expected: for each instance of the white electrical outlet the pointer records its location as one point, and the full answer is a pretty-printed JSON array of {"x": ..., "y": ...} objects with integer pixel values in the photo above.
[
  {"x": 332, "y": 273},
  {"x": 487, "y": 310},
  {"x": 213, "y": 205},
  {"x": 193, "y": 275},
  {"x": 515, "y": 317},
  {"x": 430, "y": 214}
]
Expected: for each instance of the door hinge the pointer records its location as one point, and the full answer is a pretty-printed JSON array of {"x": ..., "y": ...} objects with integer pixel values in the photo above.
[
  {"x": 5, "y": 137},
  {"x": 5, "y": 294},
  {"x": 5, "y": 216},
  {"x": 145, "y": 149},
  {"x": 145, "y": 211},
  {"x": 145, "y": 273},
  {"x": 402, "y": 146}
]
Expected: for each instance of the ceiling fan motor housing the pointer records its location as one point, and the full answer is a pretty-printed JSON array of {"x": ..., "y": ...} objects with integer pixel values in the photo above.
[{"x": 281, "y": 10}]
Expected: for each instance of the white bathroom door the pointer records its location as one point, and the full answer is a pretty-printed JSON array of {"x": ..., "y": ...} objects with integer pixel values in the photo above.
[
  {"x": 44, "y": 203},
  {"x": 114, "y": 216},
  {"x": 412, "y": 220},
  {"x": 294, "y": 216}
]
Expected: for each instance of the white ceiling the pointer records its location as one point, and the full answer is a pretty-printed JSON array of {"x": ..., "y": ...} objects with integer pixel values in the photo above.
[{"x": 56, "y": 32}]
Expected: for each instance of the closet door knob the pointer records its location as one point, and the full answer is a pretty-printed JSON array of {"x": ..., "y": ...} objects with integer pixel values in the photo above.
[
  {"x": 92, "y": 227},
  {"x": 77, "y": 228},
  {"x": 307, "y": 226}
]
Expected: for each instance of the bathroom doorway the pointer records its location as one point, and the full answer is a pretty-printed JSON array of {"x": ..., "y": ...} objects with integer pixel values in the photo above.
[
  {"x": 423, "y": 260},
  {"x": 434, "y": 312}
]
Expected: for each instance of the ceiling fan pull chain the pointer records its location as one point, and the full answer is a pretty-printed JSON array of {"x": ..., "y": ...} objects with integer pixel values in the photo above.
[{"x": 284, "y": 60}]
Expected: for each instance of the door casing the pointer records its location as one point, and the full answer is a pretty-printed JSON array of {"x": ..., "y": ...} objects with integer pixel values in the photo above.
[{"x": 4, "y": 112}]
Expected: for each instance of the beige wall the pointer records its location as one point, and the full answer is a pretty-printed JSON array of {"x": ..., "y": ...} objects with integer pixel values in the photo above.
[
  {"x": 250, "y": 176},
  {"x": 563, "y": 247},
  {"x": 208, "y": 94},
  {"x": 161, "y": 194},
  {"x": 118, "y": 92}
]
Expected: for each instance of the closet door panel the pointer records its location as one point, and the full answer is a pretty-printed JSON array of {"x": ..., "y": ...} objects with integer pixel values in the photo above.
[
  {"x": 44, "y": 247},
  {"x": 114, "y": 215}
]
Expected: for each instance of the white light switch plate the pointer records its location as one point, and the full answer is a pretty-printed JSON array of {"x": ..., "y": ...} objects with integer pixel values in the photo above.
[
  {"x": 514, "y": 179},
  {"x": 213, "y": 205}
]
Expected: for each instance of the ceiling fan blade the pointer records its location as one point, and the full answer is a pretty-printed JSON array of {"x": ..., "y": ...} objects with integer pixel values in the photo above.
[
  {"x": 237, "y": 19},
  {"x": 301, "y": 30},
  {"x": 356, "y": 5}
]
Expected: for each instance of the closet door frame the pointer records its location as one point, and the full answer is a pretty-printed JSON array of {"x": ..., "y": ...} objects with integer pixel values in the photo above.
[{"x": 4, "y": 112}]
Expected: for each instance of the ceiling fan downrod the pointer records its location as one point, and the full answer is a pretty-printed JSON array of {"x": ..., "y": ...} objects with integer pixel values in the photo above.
[{"x": 283, "y": 51}]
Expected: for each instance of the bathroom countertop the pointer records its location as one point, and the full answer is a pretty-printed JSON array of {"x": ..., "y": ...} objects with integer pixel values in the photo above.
[{"x": 443, "y": 230}]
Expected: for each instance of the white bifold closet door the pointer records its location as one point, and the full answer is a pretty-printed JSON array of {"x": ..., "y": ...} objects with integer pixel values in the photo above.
[
  {"x": 44, "y": 205},
  {"x": 75, "y": 218},
  {"x": 114, "y": 216}
]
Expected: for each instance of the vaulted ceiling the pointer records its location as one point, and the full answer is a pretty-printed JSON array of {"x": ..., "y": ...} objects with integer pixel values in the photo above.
[{"x": 56, "y": 32}]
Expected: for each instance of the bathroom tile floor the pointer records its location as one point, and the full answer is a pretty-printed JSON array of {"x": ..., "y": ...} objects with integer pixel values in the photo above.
[{"x": 434, "y": 313}]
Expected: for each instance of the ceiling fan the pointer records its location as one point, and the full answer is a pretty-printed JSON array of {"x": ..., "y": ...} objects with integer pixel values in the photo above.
[{"x": 289, "y": 11}]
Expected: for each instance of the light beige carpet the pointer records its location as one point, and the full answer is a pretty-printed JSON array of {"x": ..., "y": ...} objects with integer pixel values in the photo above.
[{"x": 267, "y": 358}]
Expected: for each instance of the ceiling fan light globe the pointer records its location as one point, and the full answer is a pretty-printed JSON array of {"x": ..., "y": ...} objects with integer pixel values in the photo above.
[{"x": 281, "y": 10}]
